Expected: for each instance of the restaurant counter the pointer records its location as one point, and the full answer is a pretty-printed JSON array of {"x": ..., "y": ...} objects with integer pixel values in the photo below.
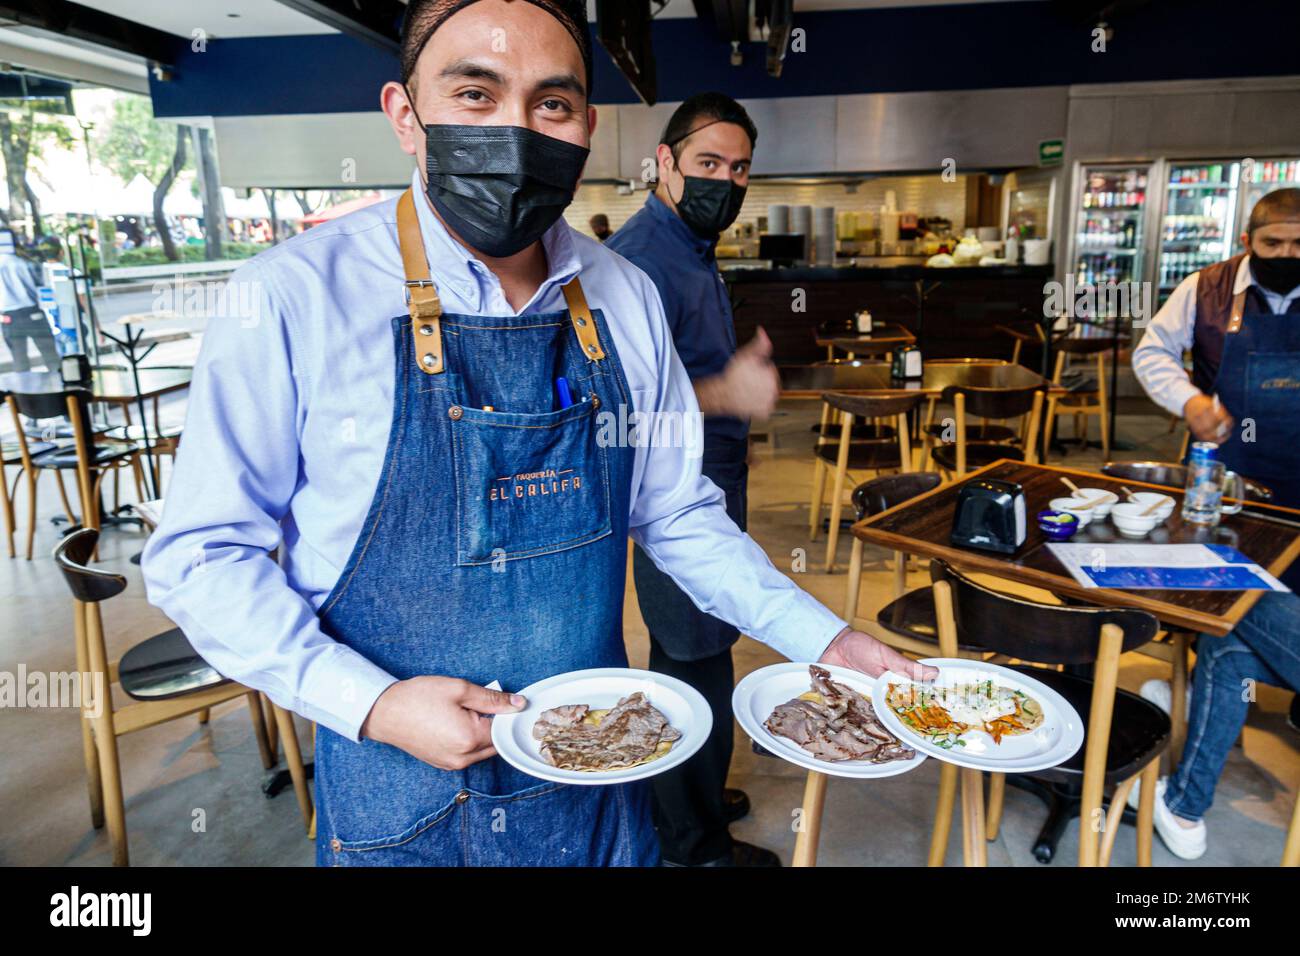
[{"x": 961, "y": 306}]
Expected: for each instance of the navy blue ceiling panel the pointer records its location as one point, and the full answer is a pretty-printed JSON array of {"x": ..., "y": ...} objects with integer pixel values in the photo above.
[{"x": 854, "y": 51}]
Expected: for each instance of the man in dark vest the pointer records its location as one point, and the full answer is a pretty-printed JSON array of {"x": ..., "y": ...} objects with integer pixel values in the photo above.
[{"x": 1241, "y": 321}]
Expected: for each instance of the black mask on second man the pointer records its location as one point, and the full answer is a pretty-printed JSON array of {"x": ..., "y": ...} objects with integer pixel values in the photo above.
[
  {"x": 499, "y": 187},
  {"x": 1279, "y": 274},
  {"x": 709, "y": 206}
]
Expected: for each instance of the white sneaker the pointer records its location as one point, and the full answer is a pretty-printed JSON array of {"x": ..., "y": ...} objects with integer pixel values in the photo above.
[
  {"x": 1186, "y": 843},
  {"x": 1161, "y": 693}
]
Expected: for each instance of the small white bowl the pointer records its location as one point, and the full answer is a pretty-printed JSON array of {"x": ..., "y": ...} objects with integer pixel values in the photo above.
[
  {"x": 1147, "y": 498},
  {"x": 1071, "y": 506},
  {"x": 1102, "y": 507},
  {"x": 1129, "y": 520}
]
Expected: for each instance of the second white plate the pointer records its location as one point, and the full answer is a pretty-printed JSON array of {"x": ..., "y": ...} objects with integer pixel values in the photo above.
[{"x": 759, "y": 694}]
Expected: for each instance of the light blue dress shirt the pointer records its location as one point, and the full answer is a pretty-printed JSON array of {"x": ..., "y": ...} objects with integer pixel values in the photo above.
[
  {"x": 286, "y": 429},
  {"x": 1158, "y": 359}
]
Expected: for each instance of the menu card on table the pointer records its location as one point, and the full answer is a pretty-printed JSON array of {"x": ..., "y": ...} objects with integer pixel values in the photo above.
[{"x": 1164, "y": 567}]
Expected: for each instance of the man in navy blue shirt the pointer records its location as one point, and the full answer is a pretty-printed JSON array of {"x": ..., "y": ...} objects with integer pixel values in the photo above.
[{"x": 703, "y": 160}]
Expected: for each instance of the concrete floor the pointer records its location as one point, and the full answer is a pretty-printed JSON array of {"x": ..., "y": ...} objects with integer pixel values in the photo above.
[{"x": 193, "y": 792}]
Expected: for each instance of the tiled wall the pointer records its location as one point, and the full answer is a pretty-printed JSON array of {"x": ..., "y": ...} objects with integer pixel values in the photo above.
[{"x": 927, "y": 195}]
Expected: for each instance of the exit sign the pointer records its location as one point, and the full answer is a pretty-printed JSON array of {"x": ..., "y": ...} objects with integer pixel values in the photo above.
[{"x": 1051, "y": 152}]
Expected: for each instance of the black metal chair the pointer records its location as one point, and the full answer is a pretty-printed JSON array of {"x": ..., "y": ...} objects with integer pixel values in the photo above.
[
  {"x": 909, "y": 617},
  {"x": 91, "y": 460},
  {"x": 11, "y": 454},
  {"x": 163, "y": 675},
  {"x": 1125, "y": 734},
  {"x": 878, "y": 454}
]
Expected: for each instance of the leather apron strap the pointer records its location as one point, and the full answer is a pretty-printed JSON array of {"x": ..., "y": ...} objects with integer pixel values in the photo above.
[
  {"x": 426, "y": 308},
  {"x": 583, "y": 324},
  {"x": 421, "y": 294},
  {"x": 1237, "y": 313}
]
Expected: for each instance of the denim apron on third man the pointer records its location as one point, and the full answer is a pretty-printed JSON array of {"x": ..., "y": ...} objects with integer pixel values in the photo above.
[
  {"x": 1259, "y": 383},
  {"x": 494, "y": 549}
]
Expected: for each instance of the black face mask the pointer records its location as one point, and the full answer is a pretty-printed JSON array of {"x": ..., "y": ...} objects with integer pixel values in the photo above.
[
  {"x": 709, "y": 206},
  {"x": 1280, "y": 274},
  {"x": 499, "y": 187}
]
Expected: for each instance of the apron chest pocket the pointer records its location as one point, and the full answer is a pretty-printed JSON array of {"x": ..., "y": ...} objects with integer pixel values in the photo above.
[{"x": 528, "y": 484}]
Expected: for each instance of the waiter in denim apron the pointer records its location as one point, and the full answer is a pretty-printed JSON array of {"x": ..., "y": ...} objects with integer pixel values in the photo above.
[
  {"x": 386, "y": 413},
  {"x": 704, "y": 157},
  {"x": 1241, "y": 321}
]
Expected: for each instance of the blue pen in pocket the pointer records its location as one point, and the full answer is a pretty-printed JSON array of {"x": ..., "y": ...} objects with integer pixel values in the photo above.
[{"x": 562, "y": 389}]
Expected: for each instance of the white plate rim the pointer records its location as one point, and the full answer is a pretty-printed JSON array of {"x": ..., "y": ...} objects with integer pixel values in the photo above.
[
  {"x": 1072, "y": 730},
  {"x": 692, "y": 739},
  {"x": 791, "y": 752}
]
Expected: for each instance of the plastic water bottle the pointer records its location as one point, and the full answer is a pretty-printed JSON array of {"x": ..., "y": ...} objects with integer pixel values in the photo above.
[{"x": 1204, "y": 492}]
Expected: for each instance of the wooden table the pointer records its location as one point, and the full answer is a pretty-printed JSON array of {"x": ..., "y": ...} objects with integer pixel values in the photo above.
[
  {"x": 108, "y": 385},
  {"x": 883, "y": 337},
  {"x": 1270, "y": 535},
  {"x": 858, "y": 377}
]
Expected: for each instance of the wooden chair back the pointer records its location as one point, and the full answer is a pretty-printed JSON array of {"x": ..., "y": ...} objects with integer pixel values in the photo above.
[
  {"x": 998, "y": 404},
  {"x": 1030, "y": 631},
  {"x": 882, "y": 493},
  {"x": 1049, "y": 634}
]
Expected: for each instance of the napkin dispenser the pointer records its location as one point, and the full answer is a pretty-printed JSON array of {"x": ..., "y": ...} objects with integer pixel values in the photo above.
[
  {"x": 906, "y": 363},
  {"x": 990, "y": 516}
]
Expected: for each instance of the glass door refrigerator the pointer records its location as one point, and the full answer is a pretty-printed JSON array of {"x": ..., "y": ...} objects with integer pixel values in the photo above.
[
  {"x": 1197, "y": 220},
  {"x": 1109, "y": 223},
  {"x": 1260, "y": 176}
]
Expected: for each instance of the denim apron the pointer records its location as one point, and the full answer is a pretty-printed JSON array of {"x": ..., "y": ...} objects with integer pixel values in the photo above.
[
  {"x": 494, "y": 549},
  {"x": 1259, "y": 382}
]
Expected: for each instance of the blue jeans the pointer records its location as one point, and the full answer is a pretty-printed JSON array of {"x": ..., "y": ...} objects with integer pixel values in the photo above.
[{"x": 1264, "y": 647}]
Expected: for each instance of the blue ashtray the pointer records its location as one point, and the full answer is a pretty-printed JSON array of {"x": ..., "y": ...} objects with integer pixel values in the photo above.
[{"x": 1057, "y": 525}]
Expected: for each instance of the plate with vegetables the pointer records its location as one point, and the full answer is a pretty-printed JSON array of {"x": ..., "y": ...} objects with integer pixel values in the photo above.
[{"x": 982, "y": 716}]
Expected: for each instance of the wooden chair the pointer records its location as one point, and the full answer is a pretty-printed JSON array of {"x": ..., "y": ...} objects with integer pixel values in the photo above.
[
  {"x": 1089, "y": 399},
  {"x": 907, "y": 622},
  {"x": 1031, "y": 333},
  {"x": 957, "y": 446},
  {"x": 163, "y": 441},
  {"x": 11, "y": 454},
  {"x": 84, "y": 456},
  {"x": 827, "y": 428},
  {"x": 1125, "y": 734},
  {"x": 1291, "y": 852},
  {"x": 871, "y": 498},
  {"x": 163, "y": 675},
  {"x": 878, "y": 454}
]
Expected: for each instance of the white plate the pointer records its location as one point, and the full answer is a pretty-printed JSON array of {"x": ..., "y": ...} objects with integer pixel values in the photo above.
[
  {"x": 601, "y": 687},
  {"x": 759, "y": 694},
  {"x": 1054, "y": 742}
]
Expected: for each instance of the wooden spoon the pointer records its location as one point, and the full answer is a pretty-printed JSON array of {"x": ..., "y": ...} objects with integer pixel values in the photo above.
[
  {"x": 1131, "y": 496},
  {"x": 1154, "y": 506},
  {"x": 1069, "y": 484}
]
